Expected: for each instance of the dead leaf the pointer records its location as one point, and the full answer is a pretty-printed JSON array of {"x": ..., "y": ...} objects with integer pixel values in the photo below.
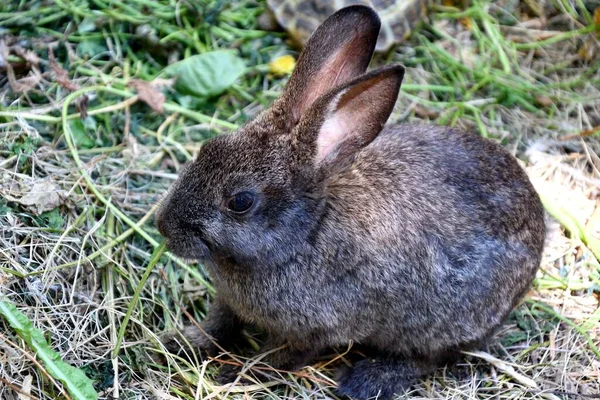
[
  {"x": 41, "y": 197},
  {"x": 24, "y": 84},
  {"x": 82, "y": 106},
  {"x": 149, "y": 93},
  {"x": 62, "y": 76},
  {"x": 27, "y": 55},
  {"x": 17, "y": 85}
]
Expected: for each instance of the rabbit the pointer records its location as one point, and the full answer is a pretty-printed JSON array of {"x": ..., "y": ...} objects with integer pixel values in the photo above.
[{"x": 322, "y": 226}]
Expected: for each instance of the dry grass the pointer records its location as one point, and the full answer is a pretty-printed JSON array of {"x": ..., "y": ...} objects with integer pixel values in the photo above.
[{"x": 76, "y": 232}]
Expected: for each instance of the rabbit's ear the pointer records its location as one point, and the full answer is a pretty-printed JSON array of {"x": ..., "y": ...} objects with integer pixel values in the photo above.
[
  {"x": 347, "y": 118},
  {"x": 338, "y": 51}
]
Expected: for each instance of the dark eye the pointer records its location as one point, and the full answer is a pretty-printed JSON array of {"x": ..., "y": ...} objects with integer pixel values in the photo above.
[{"x": 241, "y": 202}]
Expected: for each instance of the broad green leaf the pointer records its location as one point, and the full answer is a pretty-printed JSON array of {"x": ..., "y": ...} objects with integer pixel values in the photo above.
[
  {"x": 207, "y": 74},
  {"x": 75, "y": 381},
  {"x": 82, "y": 139}
]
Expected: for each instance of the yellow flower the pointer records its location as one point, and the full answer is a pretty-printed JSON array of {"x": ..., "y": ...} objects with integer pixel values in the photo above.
[{"x": 283, "y": 65}]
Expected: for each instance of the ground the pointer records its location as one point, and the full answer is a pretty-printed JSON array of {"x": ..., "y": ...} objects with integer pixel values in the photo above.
[{"x": 88, "y": 147}]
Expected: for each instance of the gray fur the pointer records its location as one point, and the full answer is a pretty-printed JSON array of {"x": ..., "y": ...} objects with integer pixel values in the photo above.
[{"x": 416, "y": 242}]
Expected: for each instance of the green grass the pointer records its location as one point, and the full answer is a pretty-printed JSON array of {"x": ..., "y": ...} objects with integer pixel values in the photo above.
[{"x": 90, "y": 272}]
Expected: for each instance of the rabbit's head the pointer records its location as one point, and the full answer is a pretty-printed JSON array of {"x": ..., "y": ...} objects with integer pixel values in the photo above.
[{"x": 254, "y": 196}]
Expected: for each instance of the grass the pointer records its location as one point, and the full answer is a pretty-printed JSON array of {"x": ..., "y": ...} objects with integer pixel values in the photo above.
[{"x": 83, "y": 260}]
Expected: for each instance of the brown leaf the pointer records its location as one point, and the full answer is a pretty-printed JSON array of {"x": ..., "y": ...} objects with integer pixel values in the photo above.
[
  {"x": 149, "y": 92},
  {"x": 41, "y": 197},
  {"x": 17, "y": 85},
  {"x": 27, "y": 55},
  {"x": 62, "y": 76},
  {"x": 82, "y": 105},
  {"x": 27, "y": 83}
]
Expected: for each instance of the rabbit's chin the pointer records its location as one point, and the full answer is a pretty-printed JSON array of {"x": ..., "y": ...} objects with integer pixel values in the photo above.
[{"x": 189, "y": 248}]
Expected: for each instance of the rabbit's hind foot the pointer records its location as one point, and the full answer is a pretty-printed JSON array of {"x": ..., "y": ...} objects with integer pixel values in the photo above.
[{"x": 379, "y": 378}]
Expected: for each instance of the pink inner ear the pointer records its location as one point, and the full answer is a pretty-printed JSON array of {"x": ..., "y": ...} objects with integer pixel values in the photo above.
[
  {"x": 333, "y": 132},
  {"x": 355, "y": 118}
]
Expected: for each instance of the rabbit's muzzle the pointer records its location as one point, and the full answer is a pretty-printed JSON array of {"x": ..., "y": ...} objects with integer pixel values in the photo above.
[{"x": 183, "y": 242}]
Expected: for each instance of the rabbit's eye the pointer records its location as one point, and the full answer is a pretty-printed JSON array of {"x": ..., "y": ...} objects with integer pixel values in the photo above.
[{"x": 241, "y": 202}]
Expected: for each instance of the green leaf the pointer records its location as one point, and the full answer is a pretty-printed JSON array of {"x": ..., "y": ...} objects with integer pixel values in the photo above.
[
  {"x": 53, "y": 219},
  {"x": 75, "y": 381},
  {"x": 91, "y": 48},
  {"x": 87, "y": 25},
  {"x": 82, "y": 139},
  {"x": 23, "y": 145},
  {"x": 208, "y": 74}
]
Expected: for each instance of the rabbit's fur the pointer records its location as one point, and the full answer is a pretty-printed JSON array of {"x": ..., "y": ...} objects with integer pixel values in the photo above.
[{"x": 414, "y": 241}]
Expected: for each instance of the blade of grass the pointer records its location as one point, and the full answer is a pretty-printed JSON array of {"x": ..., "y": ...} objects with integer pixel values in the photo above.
[{"x": 156, "y": 255}]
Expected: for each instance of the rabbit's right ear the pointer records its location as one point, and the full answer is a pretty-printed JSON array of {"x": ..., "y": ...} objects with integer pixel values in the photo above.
[{"x": 338, "y": 51}]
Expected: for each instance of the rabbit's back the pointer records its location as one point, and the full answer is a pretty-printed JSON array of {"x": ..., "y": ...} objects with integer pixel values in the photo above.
[{"x": 438, "y": 176}]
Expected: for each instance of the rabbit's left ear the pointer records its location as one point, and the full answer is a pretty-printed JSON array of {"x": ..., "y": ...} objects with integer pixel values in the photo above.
[
  {"x": 338, "y": 51},
  {"x": 348, "y": 118}
]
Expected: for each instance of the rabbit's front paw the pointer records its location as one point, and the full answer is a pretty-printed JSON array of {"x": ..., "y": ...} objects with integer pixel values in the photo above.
[{"x": 378, "y": 378}]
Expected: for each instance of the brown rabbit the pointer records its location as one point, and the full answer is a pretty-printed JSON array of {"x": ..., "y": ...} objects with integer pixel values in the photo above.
[{"x": 321, "y": 226}]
